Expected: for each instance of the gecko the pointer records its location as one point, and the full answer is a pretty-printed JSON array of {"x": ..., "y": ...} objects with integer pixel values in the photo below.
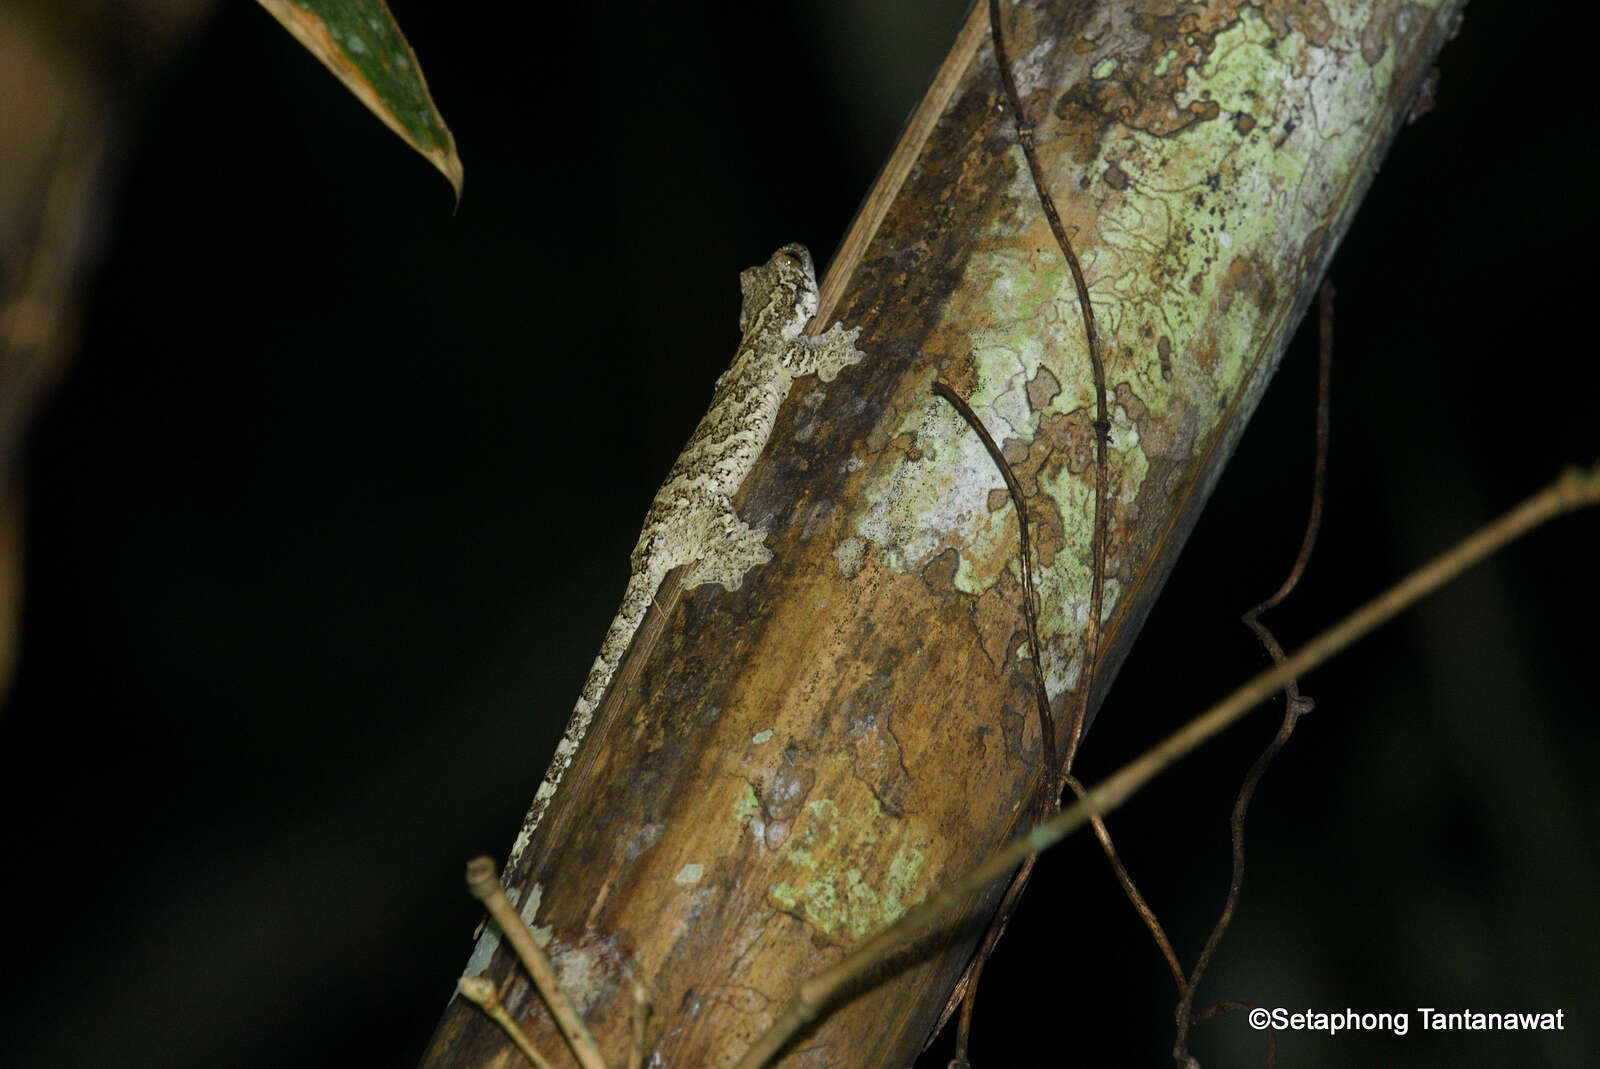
[{"x": 692, "y": 520}]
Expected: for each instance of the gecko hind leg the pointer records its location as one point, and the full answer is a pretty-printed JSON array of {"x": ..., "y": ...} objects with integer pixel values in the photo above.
[{"x": 733, "y": 547}]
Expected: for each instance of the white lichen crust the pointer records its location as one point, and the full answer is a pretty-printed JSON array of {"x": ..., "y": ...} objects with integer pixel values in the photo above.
[{"x": 692, "y": 520}]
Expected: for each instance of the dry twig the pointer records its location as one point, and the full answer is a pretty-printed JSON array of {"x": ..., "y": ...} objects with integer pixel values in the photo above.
[{"x": 484, "y": 882}]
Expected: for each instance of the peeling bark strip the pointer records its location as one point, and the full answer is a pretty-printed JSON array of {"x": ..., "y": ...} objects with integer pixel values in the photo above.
[{"x": 854, "y": 726}]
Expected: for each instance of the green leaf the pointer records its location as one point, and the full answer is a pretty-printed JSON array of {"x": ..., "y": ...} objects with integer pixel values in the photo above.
[{"x": 359, "y": 42}]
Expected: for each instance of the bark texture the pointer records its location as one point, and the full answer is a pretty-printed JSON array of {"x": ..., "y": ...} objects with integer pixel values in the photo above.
[{"x": 781, "y": 770}]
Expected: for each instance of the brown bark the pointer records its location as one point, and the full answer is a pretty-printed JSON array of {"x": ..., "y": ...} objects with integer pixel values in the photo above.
[{"x": 779, "y": 771}]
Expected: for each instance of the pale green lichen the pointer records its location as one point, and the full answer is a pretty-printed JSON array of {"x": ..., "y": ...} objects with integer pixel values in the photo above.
[
  {"x": 1206, "y": 222},
  {"x": 1031, "y": 322},
  {"x": 836, "y": 896},
  {"x": 746, "y": 804},
  {"x": 747, "y": 813}
]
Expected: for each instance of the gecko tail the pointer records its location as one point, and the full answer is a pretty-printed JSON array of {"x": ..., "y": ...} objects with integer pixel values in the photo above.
[{"x": 619, "y": 636}]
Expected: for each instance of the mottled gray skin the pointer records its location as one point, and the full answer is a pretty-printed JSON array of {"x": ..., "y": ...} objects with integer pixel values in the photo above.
[{"x": 692, "y": 520}]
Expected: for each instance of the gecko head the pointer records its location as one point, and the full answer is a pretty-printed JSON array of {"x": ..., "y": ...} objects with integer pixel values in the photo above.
[{"x": 784, "y": 287}]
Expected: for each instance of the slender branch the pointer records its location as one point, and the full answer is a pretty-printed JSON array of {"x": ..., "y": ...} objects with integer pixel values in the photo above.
[
  {"x": 480, "y": 991},
  {"x": 969, "y": 1001},
  {"x": 639, "y": 1014},
  {"x": 1574, "y": 489},
  {"x": 1296, "y": 704},
  {"x": 965, "y": 992},
  {"x": 1102, "y": 419},
  {"x": 968, "y": 985},
  {"x": 1319, "y": 477},
  {"x": 484, "y": 883},
  {"x": 1228, "y": 1006},
  {"x": 1030, "y": 597},
  {"x": 1140, "y": 906}
]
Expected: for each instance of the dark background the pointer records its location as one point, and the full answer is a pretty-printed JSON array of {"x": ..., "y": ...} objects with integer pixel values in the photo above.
[{"x": 330, "y": 513}]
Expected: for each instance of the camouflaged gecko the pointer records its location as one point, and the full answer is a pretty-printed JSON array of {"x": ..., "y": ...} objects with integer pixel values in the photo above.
[{"x": 692, "y": 520}]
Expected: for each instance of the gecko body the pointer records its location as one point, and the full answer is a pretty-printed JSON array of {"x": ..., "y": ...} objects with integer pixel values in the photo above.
[{"x": 692, "y": 519}]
